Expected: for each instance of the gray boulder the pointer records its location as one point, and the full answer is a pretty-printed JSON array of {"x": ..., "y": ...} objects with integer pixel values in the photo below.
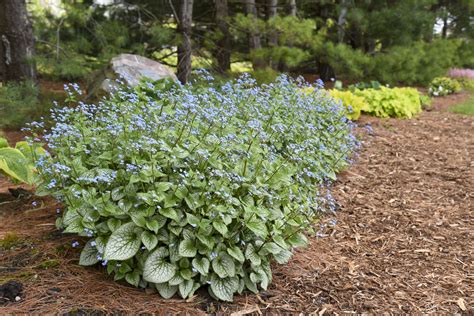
[{"x": 131, "y": 69}]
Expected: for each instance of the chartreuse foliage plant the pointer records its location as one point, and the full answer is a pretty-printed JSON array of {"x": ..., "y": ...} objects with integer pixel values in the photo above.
[
  {"x": 17, "y": 162},
  {"x": 442, "y": 86},
  {"x": 353, "y": 103},
  {"x": 391, "y": 102},
  {"x": 180, "y": 187}
]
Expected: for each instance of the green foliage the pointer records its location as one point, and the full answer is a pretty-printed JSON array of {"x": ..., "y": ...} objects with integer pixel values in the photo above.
[
  {"x": 418, "y": 63},
  {"x": 265, "y": 75},
  {"x": 391, "y": 102},
  {"x": 18, "y": 103},
  {"x": 18, "y": 163},
  {"x": 347, "y": 62},
  {"x": 442, "y": 86},
  {"x": 426, "y": 101},
  {"x": 353, "y": 103},
  {"x": 365, "y": 85},
  {"x": 466, "y": 108},
  {"x": 183, "y": 186},
  {"x": 296, "y": 38},
  {"x": 466, "y": 83}
]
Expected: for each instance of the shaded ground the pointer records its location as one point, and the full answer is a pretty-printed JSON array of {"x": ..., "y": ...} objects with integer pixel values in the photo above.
[{"x": 403, "y": 242}]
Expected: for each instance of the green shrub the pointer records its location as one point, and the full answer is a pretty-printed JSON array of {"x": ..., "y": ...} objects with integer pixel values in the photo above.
[
  {"x": 17, "y": 103},
  {"x": 391, "y": 102},
  {"x": 442, "y": 86},
  {"x": 265, "y": 75},
  {"x": 426, "y": 101},
  {"x": 374, "y": 84},
  {"x": 182, "y": 186},
  {"x": 416, "y": 64},
  {"x": 353, "y": 103},
  {"x": 466, "y": 83}
]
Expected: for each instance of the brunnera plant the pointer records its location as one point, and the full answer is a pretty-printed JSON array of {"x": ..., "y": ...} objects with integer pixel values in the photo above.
[{"x": 179, "y": 187}]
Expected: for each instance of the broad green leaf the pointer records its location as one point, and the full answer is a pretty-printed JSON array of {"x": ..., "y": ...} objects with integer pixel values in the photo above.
[
  {"x": 133, "y": 278},
  {"x": 271, "y": 247},
  {"x": 220, "y": 227},
  {"x": 252, "y": 286},
  {"x": 208, "y": 241},
  {"x": 123, "y": 243},
  {"x": 235, "y": 252},
  {"x": 280, "y": 241},
  {"x": 162, "y": 186},
  {"x": 298, "y": 240},
  {"x": 252, "y": 255},
  {"x": 149, "y": 240},
  {"x": 138, "y": 219},
  {"x": 113, "y": 224},
  {"x": 176, "y": 279},
  {"x": 88, "y": 255},
  {"x": 283, "y": 256},
  {"x": 185, "y": 288},
  {"x": 201, "y": 265},
  {"x": 224, "y": 289},
  {"x": 223, "y": 265},
  {"x": 124, "y": 268},
  {"x": 170, "y": 213},
  {"x": 117, "y": 194},
  {"x": 155, "y": 224},
  {"x": 187, "y": 248},
  {"x": 100, "y": 243},
  {"x": 14, "y": 164},
  {"x": 187, "y": 274},
  {"x": 157, "y": 268},
  {"x": 31, "y": 152},
  {"x": 166, "y": 291},
  {"x": 258, "y": 227},
  {"x": 75, "y": 227},
  {"x": 192, "y": 219}
]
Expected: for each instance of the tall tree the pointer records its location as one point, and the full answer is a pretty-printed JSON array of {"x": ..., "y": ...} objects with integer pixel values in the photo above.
[
  {"x": 341, "y": 21},
  {"x": 16, "y": 42},
  {"x": 254, "y": 35},
  {"x": 185, "y": 48},
  {"x": 292, "y": 7},
  {"x": 223, "y": 44}
]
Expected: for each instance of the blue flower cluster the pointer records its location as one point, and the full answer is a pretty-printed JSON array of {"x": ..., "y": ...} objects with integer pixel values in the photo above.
[{"x": 237, "y": 168}]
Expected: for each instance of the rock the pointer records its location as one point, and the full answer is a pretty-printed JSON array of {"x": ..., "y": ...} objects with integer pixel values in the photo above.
[{"x": 131, "y": 69}]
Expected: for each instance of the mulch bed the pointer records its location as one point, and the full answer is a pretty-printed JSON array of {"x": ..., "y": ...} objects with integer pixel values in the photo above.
[{"x": 403, "y": 241}]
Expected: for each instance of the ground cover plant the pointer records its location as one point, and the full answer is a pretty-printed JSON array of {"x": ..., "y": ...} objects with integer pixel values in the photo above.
[
  {"x": 466, "y": 108},
  {"x": 391, "y": 102},
  {"x": 442, "y": 86},
  {"x": 179, "y": 187},
  {"x": 464, "y": 76},
  {"x": 353, "y": 103}
]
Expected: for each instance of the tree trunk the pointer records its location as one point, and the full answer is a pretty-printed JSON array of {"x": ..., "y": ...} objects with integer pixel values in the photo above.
[
  {"x": 185, "y": 48},
  {"x": 444, "y": 31},
  {"x": 292, "y": 7},
  {"x": 223, "y": 44},
  {"x": 254, "y": 36},
  {"x": 341, "y": 21},
  {"x": 272, "y": 35},
  {"x": 16, "y": 42},
  {"x": 271, "y": 13}
]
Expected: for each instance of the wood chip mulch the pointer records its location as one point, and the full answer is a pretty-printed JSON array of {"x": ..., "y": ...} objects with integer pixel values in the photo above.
[{"x": 401, "y": 243}]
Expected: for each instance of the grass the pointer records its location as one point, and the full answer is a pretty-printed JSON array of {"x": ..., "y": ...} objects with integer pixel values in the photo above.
[{"x": 466, "y": 108}]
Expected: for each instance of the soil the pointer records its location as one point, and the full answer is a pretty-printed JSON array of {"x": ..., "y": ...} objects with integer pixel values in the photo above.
[{"x": 403, "y": 242}]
